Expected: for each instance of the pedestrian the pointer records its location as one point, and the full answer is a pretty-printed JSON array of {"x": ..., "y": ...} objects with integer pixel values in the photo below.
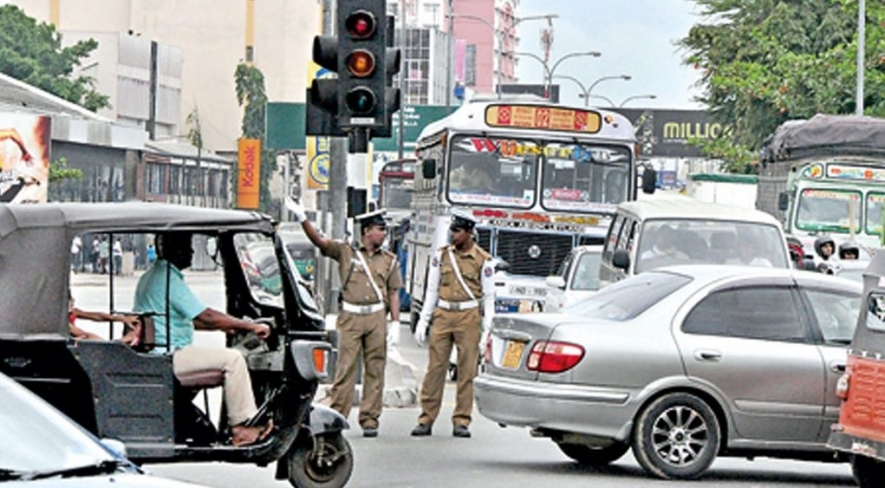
[
  {"x": 459, "y": 304},
  {"x": 117, "y": 255},
  {"x": 370, "y": 283},
  {"x": 93, "y": 254},
  {"x": 103, "y": 255},
  {"x": 76, "y": 247}
]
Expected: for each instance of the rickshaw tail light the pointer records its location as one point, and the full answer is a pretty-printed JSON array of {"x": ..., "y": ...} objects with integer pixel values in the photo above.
[
  {"x": 320, "y": 359},
  {"x": 842, "y": 386}
]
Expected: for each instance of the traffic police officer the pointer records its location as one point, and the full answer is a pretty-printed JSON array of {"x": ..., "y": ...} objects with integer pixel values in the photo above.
[
  {"x": 460, "y": 300},
  {"x": 370, "y": 282}
]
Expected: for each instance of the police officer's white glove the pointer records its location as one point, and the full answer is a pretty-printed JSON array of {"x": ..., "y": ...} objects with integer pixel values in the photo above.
[
  {"x": 392, "y": 333},
  {"x": 421, "y": 332},
  {"x": 483, "y": 340},
  {"x": 293, "y": 206}
]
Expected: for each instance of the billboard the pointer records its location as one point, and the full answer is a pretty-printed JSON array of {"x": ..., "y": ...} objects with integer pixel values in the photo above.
[
  {"x": 667, "y": 132},
  {"x": 248, "y": 173},
  {"x": 24, "y": 157}
]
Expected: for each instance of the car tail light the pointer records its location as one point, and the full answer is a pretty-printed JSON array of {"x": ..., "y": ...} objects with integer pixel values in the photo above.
[
  {"x": 554, "y": 357},
  {"x": 842, "y": 386}
]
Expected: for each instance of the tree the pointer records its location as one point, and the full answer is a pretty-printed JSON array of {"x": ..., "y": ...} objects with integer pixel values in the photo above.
[
  {"x": 59, "y": 170},
  {"x": 251, "y": 95},
  {"x": 768, "y": 61},
  {"x": 32, "y": 53}
]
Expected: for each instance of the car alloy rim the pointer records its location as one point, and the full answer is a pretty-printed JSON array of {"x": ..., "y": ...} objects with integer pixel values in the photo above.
[{"x": 680, "y": 435}]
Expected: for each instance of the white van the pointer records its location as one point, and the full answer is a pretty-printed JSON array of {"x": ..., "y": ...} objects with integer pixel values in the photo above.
[
  {"x": 649, "y": 234},
  {"x": 578, "y": 278}
]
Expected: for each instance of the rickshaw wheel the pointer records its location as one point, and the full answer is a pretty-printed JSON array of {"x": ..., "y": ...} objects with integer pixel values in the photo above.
[
  {"x": 328, "y": 466},
  {"x": 867, "y": 471}
]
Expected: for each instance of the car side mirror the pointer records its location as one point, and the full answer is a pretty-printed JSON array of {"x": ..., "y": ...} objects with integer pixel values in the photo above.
[
  {"x": 555, "y": 282},
  {"x": 428, "y": 169},
  {"x": 783, "y": 201},
  {"x": 621, "y": 259},
  {"x": 649, "y": 181}
]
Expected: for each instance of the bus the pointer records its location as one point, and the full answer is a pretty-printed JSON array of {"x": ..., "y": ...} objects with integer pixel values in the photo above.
[
  {"x": 395, "y": 185},
  {"x": 539, "y": 178}
]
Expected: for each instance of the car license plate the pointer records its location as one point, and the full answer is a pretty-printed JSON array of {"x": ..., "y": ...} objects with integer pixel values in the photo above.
[{"x": 513, "y": 354}]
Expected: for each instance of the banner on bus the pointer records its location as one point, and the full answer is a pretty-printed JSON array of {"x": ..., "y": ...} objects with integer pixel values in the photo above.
[
  {"x": 248, "y": 173},
  {"x": 24, "y": 157}
]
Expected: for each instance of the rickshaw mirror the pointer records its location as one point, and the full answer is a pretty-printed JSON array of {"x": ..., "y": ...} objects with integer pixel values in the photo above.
[
  {"x": 428, "y": 169},
  {"x": 212, "y": 247}
]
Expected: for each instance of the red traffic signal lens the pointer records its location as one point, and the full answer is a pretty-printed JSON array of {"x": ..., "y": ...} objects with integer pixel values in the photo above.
[
  {"x": 361, "y": 63},
  {"x": 360, "y": 101},
  {"x": 360, "y": 24}
]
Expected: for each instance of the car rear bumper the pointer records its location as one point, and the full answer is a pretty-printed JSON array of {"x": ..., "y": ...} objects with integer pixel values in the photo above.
[
  {"x": 603, "y": 412},
  {"x": 852, "y": 444}
]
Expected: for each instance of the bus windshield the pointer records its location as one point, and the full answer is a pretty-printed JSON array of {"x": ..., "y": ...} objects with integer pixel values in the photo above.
[
  {"x": 580, "y": 177},
  {"x": 875, "y": 201},
  {"x": 493, "y": 171},
  {"x": 827, "y": 210},
  {"x": 396, "y": 193}
]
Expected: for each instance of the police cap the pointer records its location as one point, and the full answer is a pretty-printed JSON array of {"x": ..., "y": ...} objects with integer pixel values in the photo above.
[
  {"x": 462, "y": 221},
  {"x": 372, "y": 218}
]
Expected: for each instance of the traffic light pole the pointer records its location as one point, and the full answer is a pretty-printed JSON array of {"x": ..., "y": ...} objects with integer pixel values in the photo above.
[{"x": 337, "y": 191}]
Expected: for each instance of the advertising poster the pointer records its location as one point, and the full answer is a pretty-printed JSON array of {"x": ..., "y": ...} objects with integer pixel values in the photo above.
[
  {"x": 248, "y": 173},
  {"x": 317, "y": 146},
  {"x": 24, "y": 157}
]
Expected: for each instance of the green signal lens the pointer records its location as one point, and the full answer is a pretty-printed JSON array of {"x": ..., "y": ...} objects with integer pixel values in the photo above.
[{"x": 361, "y": 101}]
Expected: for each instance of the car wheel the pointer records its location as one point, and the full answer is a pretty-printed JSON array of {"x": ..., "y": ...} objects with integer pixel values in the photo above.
[
  {"x": 868, "y": 472},
  {"x": 593, "y": 456},
  {"x": 676, "y": 437}
]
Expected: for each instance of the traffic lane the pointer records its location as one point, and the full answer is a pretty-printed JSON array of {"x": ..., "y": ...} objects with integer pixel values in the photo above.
[{"x": 497, "y": 456}]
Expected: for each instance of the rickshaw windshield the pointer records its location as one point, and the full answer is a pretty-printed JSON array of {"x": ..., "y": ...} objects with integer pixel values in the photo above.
[{"x": 260, "y": 266}]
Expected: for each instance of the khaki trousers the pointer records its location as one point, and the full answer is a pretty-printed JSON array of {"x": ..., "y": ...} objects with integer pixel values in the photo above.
[
  {"x": 366, "y": 333},
  {"x": 463, "y": 329},
  {"x": 238, "y": 397}
]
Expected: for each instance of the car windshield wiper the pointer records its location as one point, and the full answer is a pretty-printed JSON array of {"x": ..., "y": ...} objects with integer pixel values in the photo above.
[
  {"x": 103, "y": 467},
  {"x": 11, "y": 474}
]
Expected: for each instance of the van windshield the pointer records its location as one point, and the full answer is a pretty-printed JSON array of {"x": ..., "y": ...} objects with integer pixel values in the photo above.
[{"x": 683, "y": 241}]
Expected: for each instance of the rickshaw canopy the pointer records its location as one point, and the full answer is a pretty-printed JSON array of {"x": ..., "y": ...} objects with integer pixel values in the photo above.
[{"x": 35, "y": 242}]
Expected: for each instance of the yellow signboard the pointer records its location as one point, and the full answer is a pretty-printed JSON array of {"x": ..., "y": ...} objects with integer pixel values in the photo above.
[
  {"x": 248, "y": 173},
  {"x": 317, "y": 146},
  {"x": 543, "y": 118}
]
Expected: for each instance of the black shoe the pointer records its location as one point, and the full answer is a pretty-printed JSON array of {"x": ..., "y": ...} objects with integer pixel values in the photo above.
[
  {"x": 370, "y": 431},
  {"x": 421, "y": 430},
  {"x": 461, "y": 431}
]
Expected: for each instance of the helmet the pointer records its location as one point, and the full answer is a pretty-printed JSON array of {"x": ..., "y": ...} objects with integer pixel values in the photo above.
[
  {"x": 849, "y": 247},
  {"x": 820, "y": 241}
]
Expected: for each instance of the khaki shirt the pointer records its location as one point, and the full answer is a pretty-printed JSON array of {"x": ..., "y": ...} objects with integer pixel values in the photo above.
[
  {"x": 355, "y": 284},
  {"x": 471, "y": 266}
]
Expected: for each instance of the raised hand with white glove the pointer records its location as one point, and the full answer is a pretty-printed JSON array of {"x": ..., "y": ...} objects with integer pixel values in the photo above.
[
  {"x": 293, "y": 206},
  {"x": 392, "y": 333}
]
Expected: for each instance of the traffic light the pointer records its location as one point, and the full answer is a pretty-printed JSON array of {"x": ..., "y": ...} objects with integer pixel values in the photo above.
[{"x": 361, "y": 102}]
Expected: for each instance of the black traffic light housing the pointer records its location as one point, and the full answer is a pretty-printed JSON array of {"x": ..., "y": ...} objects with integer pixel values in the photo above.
[{"x": 360, "y": 103}]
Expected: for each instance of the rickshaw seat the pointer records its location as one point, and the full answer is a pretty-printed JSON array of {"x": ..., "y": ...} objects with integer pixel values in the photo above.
[{"x": 197, "y": 380}]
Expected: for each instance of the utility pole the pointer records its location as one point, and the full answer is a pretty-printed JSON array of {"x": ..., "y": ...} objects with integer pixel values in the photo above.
[
  {"x": 861, "y": 51},
  {"x": 401, "y": 42},
  {"x": 336, "y": 201},
  {"x": 451, "y": 28}
]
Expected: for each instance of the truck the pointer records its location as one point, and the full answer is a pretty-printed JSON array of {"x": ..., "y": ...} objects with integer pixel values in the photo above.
[{"x": 826, "y": 176}]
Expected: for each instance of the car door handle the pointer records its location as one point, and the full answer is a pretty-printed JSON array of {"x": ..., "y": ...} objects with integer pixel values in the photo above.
[
  {"x": 512, "y": 335},
  {"x": 837, "y": 366},
  {"x": 708, "y": 355}
]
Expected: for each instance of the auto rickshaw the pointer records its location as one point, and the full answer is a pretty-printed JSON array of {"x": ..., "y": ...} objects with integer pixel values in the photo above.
[
  {"x": 129, "y": 393},
  {"x": 860, "y": 432}
]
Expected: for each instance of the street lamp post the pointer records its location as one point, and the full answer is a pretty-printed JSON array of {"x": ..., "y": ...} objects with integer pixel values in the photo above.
[
  {"x": 634, "y": 97},
  {"x": 501, "y": 35},
  {"x": 585, "y": 92},
  {"x": 548, "y": 71},
  {"x": 607, "y": 99}
]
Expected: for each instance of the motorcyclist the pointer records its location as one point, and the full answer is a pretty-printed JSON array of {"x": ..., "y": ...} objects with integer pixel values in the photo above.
[{"x": 825, "y": 259}]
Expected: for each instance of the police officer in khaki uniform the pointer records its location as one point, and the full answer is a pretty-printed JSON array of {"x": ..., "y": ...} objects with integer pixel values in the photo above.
[
  {"x": 370, "y": 282},
  {"x": 460, "y": 301}
]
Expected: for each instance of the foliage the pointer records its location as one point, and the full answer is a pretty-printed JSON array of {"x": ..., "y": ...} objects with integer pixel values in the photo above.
[
  {"x": 58, "y": 170},
  {"x": 194, "y": 131},
  {"x": 251, "y": 95},
  {"x": 32, "y": 53},
  {"x": 764, "y": 62}
]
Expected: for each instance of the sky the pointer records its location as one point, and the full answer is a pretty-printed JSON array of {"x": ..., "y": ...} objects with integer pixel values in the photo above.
[{"x": 635, "y": 37}]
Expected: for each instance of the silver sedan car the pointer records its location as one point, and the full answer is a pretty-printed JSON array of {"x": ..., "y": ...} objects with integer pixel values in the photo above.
[{"x": 681, "y": 364}]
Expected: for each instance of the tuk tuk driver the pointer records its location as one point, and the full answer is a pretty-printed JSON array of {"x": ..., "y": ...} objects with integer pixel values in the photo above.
[{"x": 186, "y": 313}]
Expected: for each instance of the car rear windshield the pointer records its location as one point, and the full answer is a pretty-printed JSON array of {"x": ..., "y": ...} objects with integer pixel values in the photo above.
[{"x": 626, "y": 299}]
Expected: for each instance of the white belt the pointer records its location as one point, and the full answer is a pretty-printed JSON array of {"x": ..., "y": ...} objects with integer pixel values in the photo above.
[
  {"x": 457, "y": 306},
  {"x": 362, "y": 309}
]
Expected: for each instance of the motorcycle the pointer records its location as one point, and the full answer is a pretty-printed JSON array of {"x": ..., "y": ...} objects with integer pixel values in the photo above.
[{"x": 129, "y": 393}]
